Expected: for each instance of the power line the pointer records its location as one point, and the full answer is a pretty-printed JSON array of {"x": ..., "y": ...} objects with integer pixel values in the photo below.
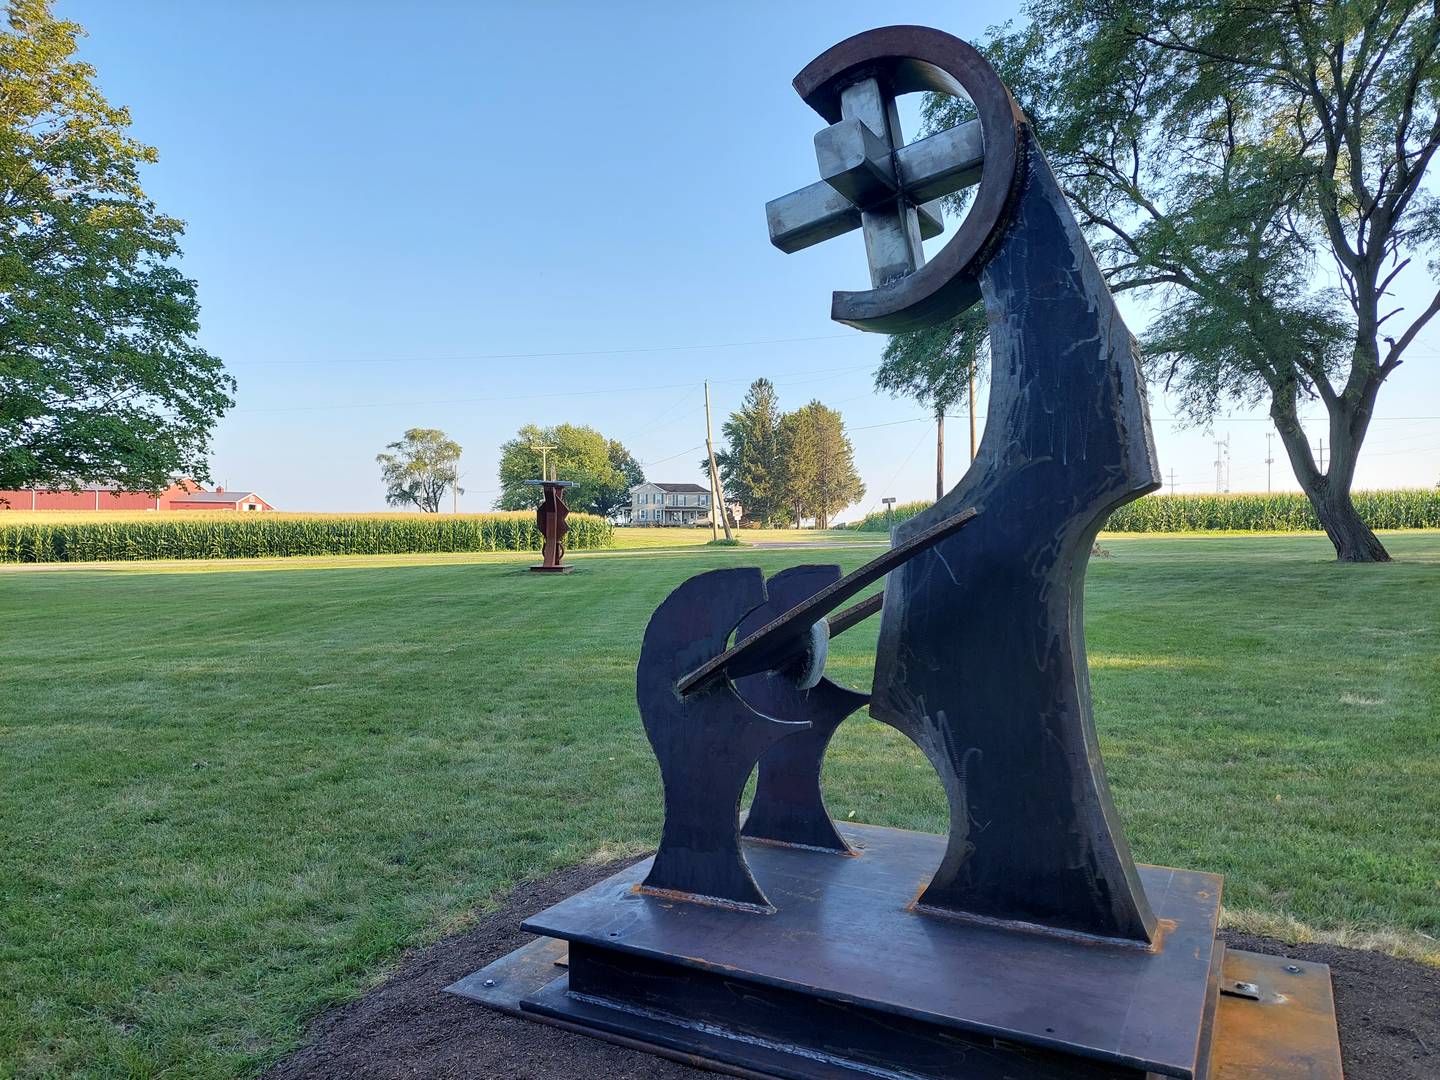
[
  {"x": 550, "y": 355},
  {"x": 783, "y": 380},
  {"x": 891, "y": 482},
  {"x": 672, "y": 457},
  {"x": 891, "y": 423}
]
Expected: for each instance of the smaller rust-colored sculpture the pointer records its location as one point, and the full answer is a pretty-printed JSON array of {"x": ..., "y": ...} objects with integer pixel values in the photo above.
[{"x": 550, "y": 520}]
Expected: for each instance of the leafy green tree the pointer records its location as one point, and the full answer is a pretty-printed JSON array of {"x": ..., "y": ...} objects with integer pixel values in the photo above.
[
  {"x": 602, "y": 470},
  {"x": 420, "y": 468},
  {"x": 1219, "y": 153},
  {"x": 820, "y": 477},
  {"x": 100, "y": 379},
  {"x": 628, "y": 473},
  {"x": 936, "y": 366},
  {"x": 750, "y": 466}
]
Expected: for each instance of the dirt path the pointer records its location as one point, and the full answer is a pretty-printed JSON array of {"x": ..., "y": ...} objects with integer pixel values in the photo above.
[{"x": 1389, "y": 1014}]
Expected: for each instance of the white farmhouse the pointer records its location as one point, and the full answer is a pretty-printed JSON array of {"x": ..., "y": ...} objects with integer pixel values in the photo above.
[{"x": 669, "y": 504}]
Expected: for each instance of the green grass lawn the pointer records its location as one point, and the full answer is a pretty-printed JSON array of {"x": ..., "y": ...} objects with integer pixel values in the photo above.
[
  {"x": 632, "y": 536},
  {"x": 231, "y": 799}
]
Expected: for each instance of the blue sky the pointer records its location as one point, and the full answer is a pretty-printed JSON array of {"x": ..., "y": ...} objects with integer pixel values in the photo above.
[{"x": 476, "y": 216}]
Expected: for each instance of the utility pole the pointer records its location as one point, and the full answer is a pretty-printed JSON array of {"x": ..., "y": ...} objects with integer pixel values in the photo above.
[
  {"x": 972, "y": 414},
  {"x": 889, "y": 511},
  {"x": 939, "y": 455},
  {"x": 717, "y": 498},
  {"x": 1269, "y": 459},
  {"x": 1172, "y": 481},
  {"x": 455, "y": 479},
  {"x": 1222, "y": 464},
  {"x": 544, "y": 458},
  {"x": 1320, "y": 455}
]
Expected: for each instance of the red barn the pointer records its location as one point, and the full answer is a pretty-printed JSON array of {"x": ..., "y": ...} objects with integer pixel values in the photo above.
[
  {"x": 181, "y": 496},
  {"x": 95, "y": 497},
  {"x": 220, "y": 499}
]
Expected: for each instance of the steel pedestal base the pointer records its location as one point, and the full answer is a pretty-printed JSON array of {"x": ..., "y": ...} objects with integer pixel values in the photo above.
[
  {"x": 846, "y": 981},
  {"x": 563, "y": 568}
]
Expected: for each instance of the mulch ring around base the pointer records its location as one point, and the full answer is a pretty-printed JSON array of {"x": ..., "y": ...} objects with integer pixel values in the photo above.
[{"x": 1389, "y": 1012}]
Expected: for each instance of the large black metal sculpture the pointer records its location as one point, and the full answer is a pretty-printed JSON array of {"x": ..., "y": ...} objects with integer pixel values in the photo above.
[{"x": 1027, "y": 942}]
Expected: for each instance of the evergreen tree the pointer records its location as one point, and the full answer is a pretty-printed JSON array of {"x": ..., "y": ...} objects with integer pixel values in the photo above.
[
  {"x": 751, "y": 471},
  {"x": 819, "y": 475}
]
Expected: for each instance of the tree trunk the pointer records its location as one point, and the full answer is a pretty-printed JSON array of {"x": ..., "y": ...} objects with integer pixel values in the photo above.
[
  {"x": 1354, "y": 540},
  {"x": 939, "y": 456},
  {"x": 1329, "y": 492}
]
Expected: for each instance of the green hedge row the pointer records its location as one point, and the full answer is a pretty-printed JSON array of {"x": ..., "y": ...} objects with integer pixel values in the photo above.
[
  {"x": 1280, "y": 512},
  {"x": 263, "y": 536}
]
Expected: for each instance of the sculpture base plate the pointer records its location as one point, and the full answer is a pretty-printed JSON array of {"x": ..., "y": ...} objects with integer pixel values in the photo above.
[
  {"x": 847, "y": 980},
  {"x": 562, "y": 569}
]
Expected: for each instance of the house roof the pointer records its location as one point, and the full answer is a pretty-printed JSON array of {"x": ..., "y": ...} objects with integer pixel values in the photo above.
[
  {"x": 215, "y": 496},
  {"x": 681, "y": 487}
]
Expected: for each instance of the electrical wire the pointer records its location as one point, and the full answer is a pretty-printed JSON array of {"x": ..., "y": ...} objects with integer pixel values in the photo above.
[
  {"x": 784, "y": 380},
  {"x": 635, "y": 350}
]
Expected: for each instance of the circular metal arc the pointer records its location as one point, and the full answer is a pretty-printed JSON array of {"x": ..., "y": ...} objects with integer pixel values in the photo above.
[{"x": 906, "y": 59}]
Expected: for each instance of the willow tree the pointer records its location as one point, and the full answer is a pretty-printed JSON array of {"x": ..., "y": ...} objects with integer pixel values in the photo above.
[
  {"x": 1261, "y": 166},
  {"x": 418, "y": 469}
]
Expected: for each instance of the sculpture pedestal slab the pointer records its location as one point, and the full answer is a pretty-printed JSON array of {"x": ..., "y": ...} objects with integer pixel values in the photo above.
[
  {"x": 563, "y": 568},
  {"x": 846, "y": 980}
]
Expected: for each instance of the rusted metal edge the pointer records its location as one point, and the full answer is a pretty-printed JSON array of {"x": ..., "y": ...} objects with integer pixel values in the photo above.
[
  {"x": 857, "y": 613},
  {"x": 1289, "y": 1033}
]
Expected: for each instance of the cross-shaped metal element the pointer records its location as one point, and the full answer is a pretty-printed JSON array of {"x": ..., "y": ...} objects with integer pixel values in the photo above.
[
  {"x": 544, "y": 458},
  {"x": 870, "y": 179}
]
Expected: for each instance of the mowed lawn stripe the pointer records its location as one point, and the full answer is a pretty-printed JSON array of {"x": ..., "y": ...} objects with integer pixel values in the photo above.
[{"x": 231, "y": 799}]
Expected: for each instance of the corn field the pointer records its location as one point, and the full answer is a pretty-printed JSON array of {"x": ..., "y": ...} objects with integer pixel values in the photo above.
[
  {"x": 1279, "y": 512},
  {"x": 73, "y": 538},
  {"x": 881, "y": 522}
]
